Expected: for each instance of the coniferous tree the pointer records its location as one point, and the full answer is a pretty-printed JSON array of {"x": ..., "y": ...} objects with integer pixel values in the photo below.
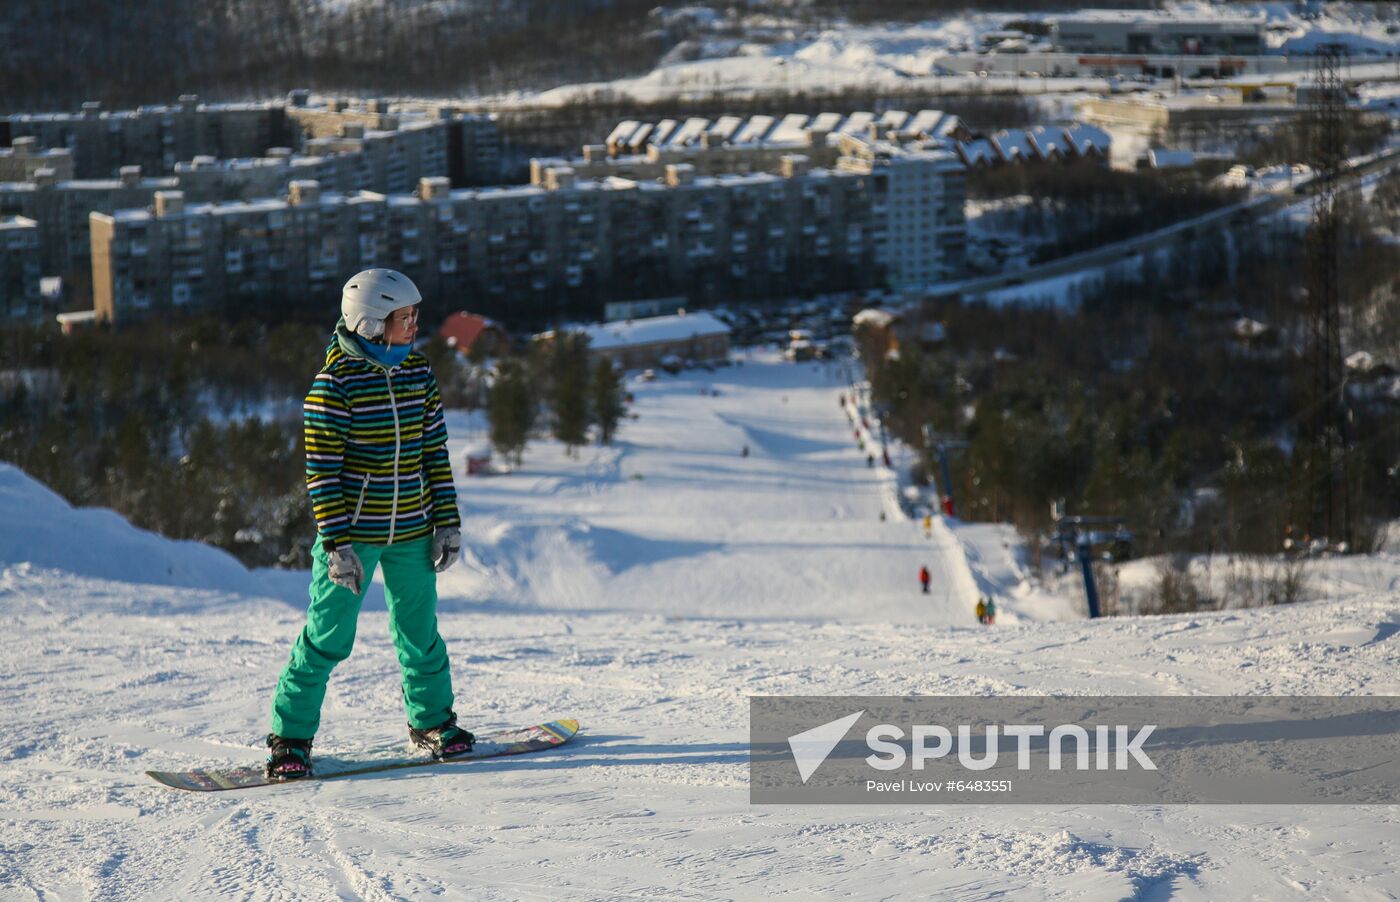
[
  {"x": 510, "y": 409},
  {"x": 568, "y": 360},
  {"x": 608, "y": 405}
]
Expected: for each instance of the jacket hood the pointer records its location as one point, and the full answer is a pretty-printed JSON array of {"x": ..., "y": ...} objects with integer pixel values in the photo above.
[{"x": 344, "y": 341}]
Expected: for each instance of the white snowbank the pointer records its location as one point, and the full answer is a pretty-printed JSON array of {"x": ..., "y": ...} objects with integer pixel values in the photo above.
[{"x": 39, "y": 530}]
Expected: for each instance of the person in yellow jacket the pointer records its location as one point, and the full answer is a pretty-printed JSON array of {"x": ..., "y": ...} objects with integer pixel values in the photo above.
[{"x": 382, "y": 492}]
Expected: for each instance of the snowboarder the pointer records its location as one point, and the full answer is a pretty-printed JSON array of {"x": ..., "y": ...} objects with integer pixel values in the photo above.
[
  {"x": 924, "y": 578},
  {"x": 381, "y": 488},
  {"x": 981, "y": 611}
]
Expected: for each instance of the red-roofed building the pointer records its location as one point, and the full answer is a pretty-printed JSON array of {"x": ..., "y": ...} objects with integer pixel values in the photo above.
[{"x": 462, "y": 330}]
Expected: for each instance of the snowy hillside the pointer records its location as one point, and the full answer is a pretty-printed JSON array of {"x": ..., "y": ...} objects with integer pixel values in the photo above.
[
  {"x": 647, "y": 590},
  {"x": 38, "y": 529},
  {"x": 770, "y": 48}
]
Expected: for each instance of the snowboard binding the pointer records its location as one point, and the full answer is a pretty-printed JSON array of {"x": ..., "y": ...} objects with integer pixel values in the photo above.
[
  {"x": 446, "y": 740},
  {"x": 288, "y": 759}
]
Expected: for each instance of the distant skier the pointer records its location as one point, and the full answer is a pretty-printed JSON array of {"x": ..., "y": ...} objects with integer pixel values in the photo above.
[
  {"x": 870, "y": 460},
  {"x": 928, "y": 526},
  {"x": 991, "y": 612},
  {"x": 381, "y": 488},
  {"x": 924, "y": 578},
  {"x": 981, "y": 611},
  {"x": 745, "y": 452}
]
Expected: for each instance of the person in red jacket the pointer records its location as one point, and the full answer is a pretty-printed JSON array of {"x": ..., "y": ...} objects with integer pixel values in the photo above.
[{"x": 924, "y": 578}]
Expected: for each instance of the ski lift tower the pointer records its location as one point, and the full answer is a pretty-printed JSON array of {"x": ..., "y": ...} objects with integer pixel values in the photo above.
[
  {"x": 1081, "y": 534},
  {"x": 940, "y": 446}
]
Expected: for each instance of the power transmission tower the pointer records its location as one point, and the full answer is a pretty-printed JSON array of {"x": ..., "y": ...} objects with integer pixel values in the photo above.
[{"x": 1325, "y": 493}]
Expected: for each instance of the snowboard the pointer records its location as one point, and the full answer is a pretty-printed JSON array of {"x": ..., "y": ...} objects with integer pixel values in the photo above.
[{"x": 491, "y": 745}]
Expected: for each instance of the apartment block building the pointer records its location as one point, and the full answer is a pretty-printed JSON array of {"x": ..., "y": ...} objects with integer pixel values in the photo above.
[
  {"x": 918, "y": 216},
  {"x": 471, "y": 141},
  {"x": 20, "y": 161},
  {"x": 733, "y": 144},
  {"x": 917, "y": 181},
  {"x": 220, "y": 152},
  {"x": 153, "y": 137},
  {"x": 19, "y": 267},
  {"x": 387, "y": 160},
  {"x": 60, "y": 209},
  {"x": 523, "y": 253}
]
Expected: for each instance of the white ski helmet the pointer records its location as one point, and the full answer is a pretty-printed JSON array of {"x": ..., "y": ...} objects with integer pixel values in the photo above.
[{"x": 370, "y": 296}]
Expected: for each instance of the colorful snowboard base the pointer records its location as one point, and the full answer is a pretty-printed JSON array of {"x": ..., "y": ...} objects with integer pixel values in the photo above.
[{"x": 492, "y": 745}]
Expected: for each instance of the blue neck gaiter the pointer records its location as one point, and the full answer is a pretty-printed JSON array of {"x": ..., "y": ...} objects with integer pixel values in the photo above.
[{"x": 388, "y": 356}]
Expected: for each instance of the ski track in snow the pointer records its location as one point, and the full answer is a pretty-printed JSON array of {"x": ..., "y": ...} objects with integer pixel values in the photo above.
[{"x": 650, "y": 609}]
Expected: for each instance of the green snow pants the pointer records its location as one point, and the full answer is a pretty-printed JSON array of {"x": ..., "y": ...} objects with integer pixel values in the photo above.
[{"x": 410, "y": 589}]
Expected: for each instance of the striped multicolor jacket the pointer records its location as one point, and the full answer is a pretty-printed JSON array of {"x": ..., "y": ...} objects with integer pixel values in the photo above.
[{"x": 377, "y": 466}]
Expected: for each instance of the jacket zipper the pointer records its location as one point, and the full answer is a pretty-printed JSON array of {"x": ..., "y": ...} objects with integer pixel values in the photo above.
[
  {"x": 364, "y": 488},
  {"x": 398, "y": 446}
]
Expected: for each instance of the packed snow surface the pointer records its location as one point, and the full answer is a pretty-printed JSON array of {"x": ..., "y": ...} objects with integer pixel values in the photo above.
[{"x": 646, "y": 589}]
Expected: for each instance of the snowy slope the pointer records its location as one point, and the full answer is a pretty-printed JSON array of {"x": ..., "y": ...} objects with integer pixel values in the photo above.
[
  {"x": 650, "y": 609},
  {"x": 674, "y": 504},
  {"x": 785, "y": 53}
]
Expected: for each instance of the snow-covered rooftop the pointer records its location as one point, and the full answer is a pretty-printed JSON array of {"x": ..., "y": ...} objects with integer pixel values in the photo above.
[
  {"x": 978, "y": 152},
  {"x": 622, "y": 132},
  {"x": 1013, "y": 145},
  {"x": 651, "y": 330},
  {"x": 874, "y": 317},
  {"x": 1086, "y": 139},
  {"x": 1048, "y": 142}
]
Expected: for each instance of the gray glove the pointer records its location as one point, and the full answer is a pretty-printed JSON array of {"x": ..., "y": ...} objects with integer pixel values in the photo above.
[
  {"x": 345, "y": 568},
  {"x": 447, "y": 545}
]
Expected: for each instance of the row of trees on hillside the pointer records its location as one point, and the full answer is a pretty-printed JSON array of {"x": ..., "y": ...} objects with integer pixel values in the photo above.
[
  {"x": 62, "y": 52},
  {"x": 189, "y": 430},
  {"x": 556, "y": 382},
  {"x": 1081, "y": 205},
  {"x": 1170, "y": 400},
  {"x": 193, "y": 430}
]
